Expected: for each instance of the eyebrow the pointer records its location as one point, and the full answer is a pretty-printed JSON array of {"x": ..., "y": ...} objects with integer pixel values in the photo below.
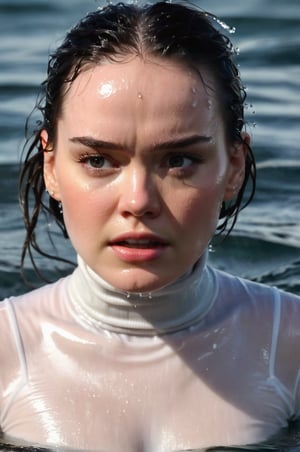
[{"x": 180, "y": 143}]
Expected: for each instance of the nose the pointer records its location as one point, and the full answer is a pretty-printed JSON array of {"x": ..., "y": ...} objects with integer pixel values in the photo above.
[{"x": 140, "y": 194}]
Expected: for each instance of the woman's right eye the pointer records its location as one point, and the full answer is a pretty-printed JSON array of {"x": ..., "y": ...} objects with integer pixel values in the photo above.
[{"x": 96, "y": 161}]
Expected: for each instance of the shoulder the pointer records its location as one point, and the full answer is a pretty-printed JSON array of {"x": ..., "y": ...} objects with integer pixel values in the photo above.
[
  {"x": 269, "y": 312},
  {"x": 22, "y": 316},
  {"x": 257, "y": 306},
  {"x": 21, "y": 325},
  {"x": 42, "y": 298},
  {"x": 253, "y": 292},
  {"x": 11, "y": 356}
]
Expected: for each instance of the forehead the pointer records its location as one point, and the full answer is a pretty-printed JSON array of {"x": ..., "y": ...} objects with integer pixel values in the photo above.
[
  {"x": 107, "y": 79},
  {"x": 144, "y": 92}
]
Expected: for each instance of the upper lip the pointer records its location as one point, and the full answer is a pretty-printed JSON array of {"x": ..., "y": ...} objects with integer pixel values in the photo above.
[{"x": 138, "y": 237}]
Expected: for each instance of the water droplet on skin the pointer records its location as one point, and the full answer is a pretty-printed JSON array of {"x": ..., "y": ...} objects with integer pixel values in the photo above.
[
  {"x": 194, "y": 90},
  {"x": 209, "y": 104},
  {"x": 194, "y": 104},
  {"x": 140, "y": 96},
  {"x": 106, "y": 89}
]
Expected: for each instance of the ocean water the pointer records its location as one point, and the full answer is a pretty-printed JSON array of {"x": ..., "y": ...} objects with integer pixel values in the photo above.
[{"x": 265, "y": 245}]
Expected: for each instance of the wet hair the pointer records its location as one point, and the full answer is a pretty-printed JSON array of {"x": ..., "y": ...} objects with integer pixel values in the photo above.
[{"x": 166, "y": 30}]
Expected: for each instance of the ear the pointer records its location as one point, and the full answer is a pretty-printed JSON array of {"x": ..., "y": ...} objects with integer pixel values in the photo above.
[
  {"x": 236, "y": 170},
  {"x": 50, "y": 178}
]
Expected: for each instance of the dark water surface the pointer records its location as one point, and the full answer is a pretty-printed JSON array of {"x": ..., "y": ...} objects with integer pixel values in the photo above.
[{"x": 266, "y": 243}]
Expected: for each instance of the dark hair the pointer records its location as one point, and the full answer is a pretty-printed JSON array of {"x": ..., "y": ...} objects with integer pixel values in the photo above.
[{"x": 166, "y": 30}]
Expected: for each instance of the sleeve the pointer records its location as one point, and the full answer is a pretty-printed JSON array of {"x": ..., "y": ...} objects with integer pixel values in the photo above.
[
  {"x": 286, "y": 338},
  {"x": 13, "y": 370}
]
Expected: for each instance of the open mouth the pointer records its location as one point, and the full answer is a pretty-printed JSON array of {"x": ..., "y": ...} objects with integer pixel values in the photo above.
[
  {"x": 142, "y": 243},
  {"x": 138, "y": 249}
]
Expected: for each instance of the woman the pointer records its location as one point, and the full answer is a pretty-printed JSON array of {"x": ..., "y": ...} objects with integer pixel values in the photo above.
[{"x": 144, "y": 347}]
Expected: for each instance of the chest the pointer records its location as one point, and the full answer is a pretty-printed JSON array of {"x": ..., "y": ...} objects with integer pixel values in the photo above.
[{"x": 146, "y": 395}]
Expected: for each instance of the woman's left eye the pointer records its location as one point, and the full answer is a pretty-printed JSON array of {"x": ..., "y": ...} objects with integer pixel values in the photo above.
[{"x": 181, "y": 161}]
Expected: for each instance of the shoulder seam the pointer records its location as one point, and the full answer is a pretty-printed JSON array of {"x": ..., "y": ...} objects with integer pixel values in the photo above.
[{"x": 275, "y": 330}]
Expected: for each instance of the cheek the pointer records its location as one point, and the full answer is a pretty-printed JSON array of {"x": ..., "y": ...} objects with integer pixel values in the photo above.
[
  {"x": 84, "y": 207},
  {"x": 198, "y": 202}
]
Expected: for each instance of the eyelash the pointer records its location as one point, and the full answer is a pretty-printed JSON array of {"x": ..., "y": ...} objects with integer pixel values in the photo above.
[
  {"x": 195, "y": 160},
  {"x": 87, "y": 158},
  {"x": 179, "y": 171}
]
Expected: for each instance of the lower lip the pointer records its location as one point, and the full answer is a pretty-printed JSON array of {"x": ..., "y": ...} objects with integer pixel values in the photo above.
[{"x": 128, "y": 254}]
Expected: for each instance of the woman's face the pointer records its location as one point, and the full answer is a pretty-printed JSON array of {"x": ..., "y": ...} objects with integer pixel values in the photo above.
[{"x": 141, "y": 166}]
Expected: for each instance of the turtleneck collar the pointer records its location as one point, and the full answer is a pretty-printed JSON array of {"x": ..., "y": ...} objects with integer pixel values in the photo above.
[{"x": 169, "y": 309}]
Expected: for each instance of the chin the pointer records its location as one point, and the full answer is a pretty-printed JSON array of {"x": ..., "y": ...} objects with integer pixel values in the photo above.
[{"x": 138, "y": 282}]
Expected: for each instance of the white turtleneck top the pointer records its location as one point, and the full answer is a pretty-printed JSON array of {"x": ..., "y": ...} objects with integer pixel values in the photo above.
[{"x": 208, "y": 360}]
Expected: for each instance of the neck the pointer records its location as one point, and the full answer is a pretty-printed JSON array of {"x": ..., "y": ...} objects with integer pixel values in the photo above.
[{"x": 169, "y": 309}]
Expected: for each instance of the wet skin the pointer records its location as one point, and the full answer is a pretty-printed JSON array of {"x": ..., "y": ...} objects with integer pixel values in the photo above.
[{"x": 141, "y": 165}]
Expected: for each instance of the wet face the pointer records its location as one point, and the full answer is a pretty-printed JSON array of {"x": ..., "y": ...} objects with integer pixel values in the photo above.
[{"x": 141, "y": 166}]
